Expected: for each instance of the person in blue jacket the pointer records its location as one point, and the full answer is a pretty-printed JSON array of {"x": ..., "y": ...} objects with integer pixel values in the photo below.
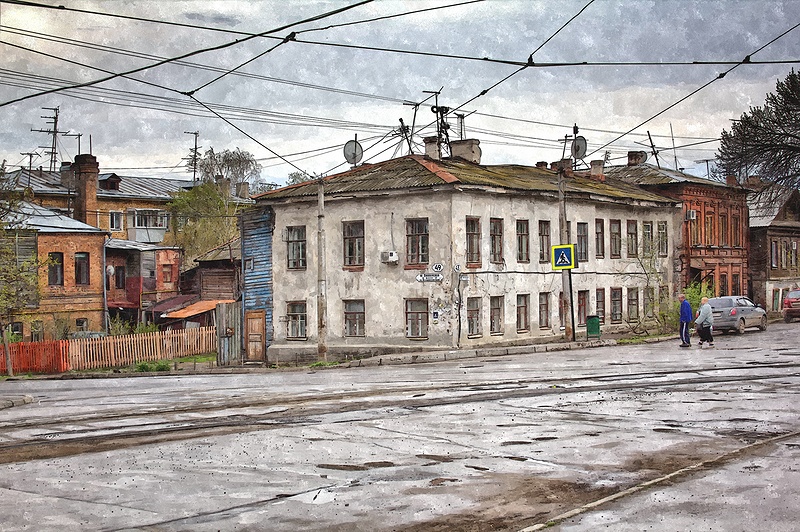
[{"x": 686, "y": 319}]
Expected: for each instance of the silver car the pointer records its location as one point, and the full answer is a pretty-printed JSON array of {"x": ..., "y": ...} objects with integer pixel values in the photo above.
[{"x": 736, "y": 313}]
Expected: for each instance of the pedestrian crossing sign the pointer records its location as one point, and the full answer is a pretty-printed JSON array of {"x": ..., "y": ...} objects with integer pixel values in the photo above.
[{"x": 563, "y": 257}]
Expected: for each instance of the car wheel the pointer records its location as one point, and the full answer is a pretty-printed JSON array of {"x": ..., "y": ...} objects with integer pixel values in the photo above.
[
  {"x": 763, "y": 324},
  {"x": 740, "y": 327},
  {"x": 787, "y": 318}
]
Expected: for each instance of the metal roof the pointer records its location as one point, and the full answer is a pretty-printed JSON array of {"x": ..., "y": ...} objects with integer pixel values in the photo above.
[
  {"x": 764, "y": 207},
  {"x": 130, "y": 187},
  {"x": 38, "y": 218},
  {"x": 117, "y": 243},
  {"x": 195, "y": 308},
  {"x": 418, "y": 172},
  {"x": 647, "y": 174}
]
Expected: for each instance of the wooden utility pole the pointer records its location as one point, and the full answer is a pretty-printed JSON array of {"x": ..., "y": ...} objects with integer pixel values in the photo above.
[
  {"x": 566, "y": 275},
  {"x": 322, "y": 303}
]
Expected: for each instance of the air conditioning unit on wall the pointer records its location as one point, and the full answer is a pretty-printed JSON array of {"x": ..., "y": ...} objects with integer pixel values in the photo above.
[
  {"x": 691, "y": 214},
  {"x": 391, "y": 257}
]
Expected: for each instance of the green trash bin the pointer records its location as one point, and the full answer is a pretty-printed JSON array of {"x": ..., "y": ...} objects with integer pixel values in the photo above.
[{"x": 593, "y": 326}]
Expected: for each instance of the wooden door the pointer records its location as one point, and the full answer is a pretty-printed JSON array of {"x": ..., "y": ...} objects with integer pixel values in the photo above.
[{"x": 255, "y": 328}]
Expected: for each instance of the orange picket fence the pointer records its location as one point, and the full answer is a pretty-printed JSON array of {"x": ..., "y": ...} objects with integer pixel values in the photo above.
[
  {"x": 108, "y": 352},
  {"x": 36, "y": 357}
]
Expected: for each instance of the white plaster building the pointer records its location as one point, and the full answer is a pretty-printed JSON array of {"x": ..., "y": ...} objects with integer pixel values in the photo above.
[{"x": 423, "y": 254}]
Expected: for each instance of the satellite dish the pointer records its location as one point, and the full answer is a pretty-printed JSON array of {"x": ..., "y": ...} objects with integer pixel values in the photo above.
[
  {"x": 637, "y": 157},
  {"x": 353, "y": 152},
  {"x": 578, "y": 148},
  {"x": 110, "y": 269}
]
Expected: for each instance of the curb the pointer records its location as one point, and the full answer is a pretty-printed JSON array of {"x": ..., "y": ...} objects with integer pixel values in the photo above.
[{"x": 8, "y": 402}]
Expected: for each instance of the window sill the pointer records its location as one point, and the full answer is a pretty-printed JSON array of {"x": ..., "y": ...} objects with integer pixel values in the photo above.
[
  {"x": 416, "y": 266},
  {"x": 473, "y": 336},
  {"x": 474, "y": 265},
  {"x": 497, "y": 333},
  {"x": 359, "y": 268},
  {"x": 296, "y": 339},
  {"x": 417, "y": 339}
]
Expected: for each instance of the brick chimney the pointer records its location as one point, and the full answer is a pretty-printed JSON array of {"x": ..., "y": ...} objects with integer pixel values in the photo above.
[
  {"x": 467, "y": 149},
  {"x": 86, "y": 171},
  {"x": 541, "y": 164},
  {"x": 731, "y": 181},
  {"x": 431, "y": 148},
  {"x": 596, "y": 170},
  {"x": 566, "y": 164},
  {"x": 67, "y": 175}
]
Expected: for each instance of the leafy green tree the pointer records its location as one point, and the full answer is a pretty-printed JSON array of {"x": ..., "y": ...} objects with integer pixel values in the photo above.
[
  {"x": 766, "y": 140},
  {"x": 18, "y": 273},
  {"x": 297, "y": 177},
  {"x": 204, "y": 218}
]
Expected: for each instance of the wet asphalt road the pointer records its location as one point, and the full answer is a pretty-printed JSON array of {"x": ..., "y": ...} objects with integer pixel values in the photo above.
[{"x": 501, "y": 443}]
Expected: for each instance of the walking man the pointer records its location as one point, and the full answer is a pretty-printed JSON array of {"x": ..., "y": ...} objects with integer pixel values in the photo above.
[
  {"x": 686, "y": 319},
  {"x": 704, "y": 321}
]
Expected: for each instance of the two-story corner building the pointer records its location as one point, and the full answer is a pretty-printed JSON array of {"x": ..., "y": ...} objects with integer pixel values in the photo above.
[
  {"x": 714, "y": 248},
  {"x": 774, "y": 241},
  {"x": 130, "y": 208},
  {"x": 71, "y": 296},
  {"x": 416, "y": 253},
  {"x": 138, "y": 276}
]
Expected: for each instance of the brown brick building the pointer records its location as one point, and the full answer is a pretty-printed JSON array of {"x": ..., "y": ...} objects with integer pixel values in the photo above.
[{"x": 714, "y": 241}]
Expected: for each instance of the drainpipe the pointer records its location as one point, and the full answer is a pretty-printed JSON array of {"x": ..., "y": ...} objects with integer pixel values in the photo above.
[{"x": 105, "y": 288}]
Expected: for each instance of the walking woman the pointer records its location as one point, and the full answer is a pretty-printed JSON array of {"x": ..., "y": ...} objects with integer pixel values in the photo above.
[{"x": 704, "y": 321}]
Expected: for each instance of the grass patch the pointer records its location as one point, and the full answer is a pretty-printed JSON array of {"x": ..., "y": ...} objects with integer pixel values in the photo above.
[
  {"x": 198, "y": 358},
  {"x": 146, "y": 367},
  {"x": 323, "y": 364}
]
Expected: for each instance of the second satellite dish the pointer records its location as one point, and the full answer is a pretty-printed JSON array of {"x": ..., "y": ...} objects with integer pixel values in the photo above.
[
  {"x": 578, "y": 149},
  {"x": 353, "y": 152}
]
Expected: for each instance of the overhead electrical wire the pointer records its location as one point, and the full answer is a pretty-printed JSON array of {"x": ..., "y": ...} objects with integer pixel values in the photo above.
[
  {"x": 720, "y": 76},
  {"x": 192, "y": 53}
]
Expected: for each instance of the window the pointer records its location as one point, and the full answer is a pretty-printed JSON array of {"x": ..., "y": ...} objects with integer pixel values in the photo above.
[
  {"x": 633, "y": 238},
  {"x": 663, "y": 240},
  {"x": 166, "y": 273},
  {"x": 296, "y": 247},
  {"x": 615, "y": 229},
  {"x": 709, "y": 230},
  {"x": 649, "y": 301},
  {"x": 496, "y": 240},
  {"x": 354, "y": 318},
  {"x": 723, "y": 284},
  {"x": 523, "y": 241},
  {"x": 473, "y": 242},
  {"x": 544, "y": 310},
  {"x": 616, "y": 305},
  {"x": 145, "y": 219},
  {"x": 55, "y": 269},
  {"x": 774, "y": 254},
  {"x": 17, "y": 328},
  {"x": 633, "y": 304},
  {"x": 82, "y": 268},
  {"x": 523, "y": 316},
  {"x": 600, "y": 304},
  {"x": 417, "y": 242},
  {"x": 647, "y": 238},
  {"x": 599, "y": 238},
  {"x": 544, "y": 241},
  {"x": 119, "y": 277},
  {"x": 694, "y": 232},
  {"x": 474, "y": 316},
  {"x": 496, "y": 314},
  {"x": 736, "y": 235},
  {"x": 416, "y": 318},
  {"x": 37, "y": 331},
  {"x": 353, "y": 243},
  {"x": 582, "y": 246},
  {"x": 583, "y": 306},
  {"x": 776, "y": 299},
  {"x": 723, "y": 229},
  {"x": 82, "y": 324},
  {"x": 115, "y": 221},
  {"x": 736, "y": 285},
  {"x": 296, "y": 320}
]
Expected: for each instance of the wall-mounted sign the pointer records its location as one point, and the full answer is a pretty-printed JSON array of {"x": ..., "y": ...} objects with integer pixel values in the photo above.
[
  {"x": 430, "y": 278},
  {"x": 438, "y": 267}
]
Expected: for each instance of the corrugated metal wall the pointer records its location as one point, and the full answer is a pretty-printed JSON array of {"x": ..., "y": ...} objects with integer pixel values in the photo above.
[{"x": 258, "y": 225}]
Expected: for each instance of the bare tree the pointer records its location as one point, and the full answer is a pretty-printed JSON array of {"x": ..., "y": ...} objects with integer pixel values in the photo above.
[
  {"x": 765, "y": 141},
  {"x": 238, "y": 166}
]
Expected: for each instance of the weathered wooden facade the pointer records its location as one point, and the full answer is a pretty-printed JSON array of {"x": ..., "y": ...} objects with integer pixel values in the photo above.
[
  {"x": 774, "y": 242},
  {"x": 257, "y": 226}
]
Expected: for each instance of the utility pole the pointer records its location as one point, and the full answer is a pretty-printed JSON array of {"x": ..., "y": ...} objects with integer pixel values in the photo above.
[
  {"x": 30, "y": 164},
  {"x": 51, "y": 150},
  {"x": 322, "y": 302},
  {"x": 563, "y": 229},
  {"x": 193, "y": 159},
  {"x": 79, "y": 135}
]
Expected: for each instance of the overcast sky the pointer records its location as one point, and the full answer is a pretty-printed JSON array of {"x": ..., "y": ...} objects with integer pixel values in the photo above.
[{"x": 303, "y": 98}]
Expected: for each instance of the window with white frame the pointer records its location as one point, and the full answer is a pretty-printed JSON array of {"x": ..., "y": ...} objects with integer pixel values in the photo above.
[
  {"x": 416, "y": 318},
  {"x": 417, "y": 241},
  {"x": 296, "y": 320},
  {"x": 296, "y": 247},
  {"x": 354, "y": 317},
  {"x": 115, "y": 221},
  {"x": 496, "y": 314}
]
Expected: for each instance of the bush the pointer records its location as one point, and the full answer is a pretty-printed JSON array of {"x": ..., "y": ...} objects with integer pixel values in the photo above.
[
  {"x": 145, "y": 328},
  {"x": 144, "y": 367},
  {"x": 162, "y": 365}
]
